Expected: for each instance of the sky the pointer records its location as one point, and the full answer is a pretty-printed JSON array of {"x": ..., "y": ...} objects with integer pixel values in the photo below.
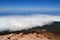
[{"x": 27, "y": 7}]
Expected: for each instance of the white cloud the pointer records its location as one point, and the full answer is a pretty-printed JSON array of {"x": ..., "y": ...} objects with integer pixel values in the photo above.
[{"x": 16, "y": 22}]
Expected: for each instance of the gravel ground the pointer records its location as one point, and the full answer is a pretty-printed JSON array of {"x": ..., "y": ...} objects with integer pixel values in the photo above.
[{"x": 30, "y": 36}]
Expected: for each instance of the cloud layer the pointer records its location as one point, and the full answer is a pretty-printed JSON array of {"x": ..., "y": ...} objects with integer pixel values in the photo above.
[{"x": 17, "y": 22}]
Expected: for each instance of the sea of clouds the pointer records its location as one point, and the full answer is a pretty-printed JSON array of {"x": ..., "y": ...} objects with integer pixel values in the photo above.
[{"x": 18, "y": 22}]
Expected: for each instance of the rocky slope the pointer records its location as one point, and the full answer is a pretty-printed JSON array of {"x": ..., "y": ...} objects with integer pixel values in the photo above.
[{"x": 31, "y": 36}]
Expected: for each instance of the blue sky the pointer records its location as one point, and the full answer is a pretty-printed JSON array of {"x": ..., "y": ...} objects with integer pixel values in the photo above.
[{"x": 29, "y": 7}]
